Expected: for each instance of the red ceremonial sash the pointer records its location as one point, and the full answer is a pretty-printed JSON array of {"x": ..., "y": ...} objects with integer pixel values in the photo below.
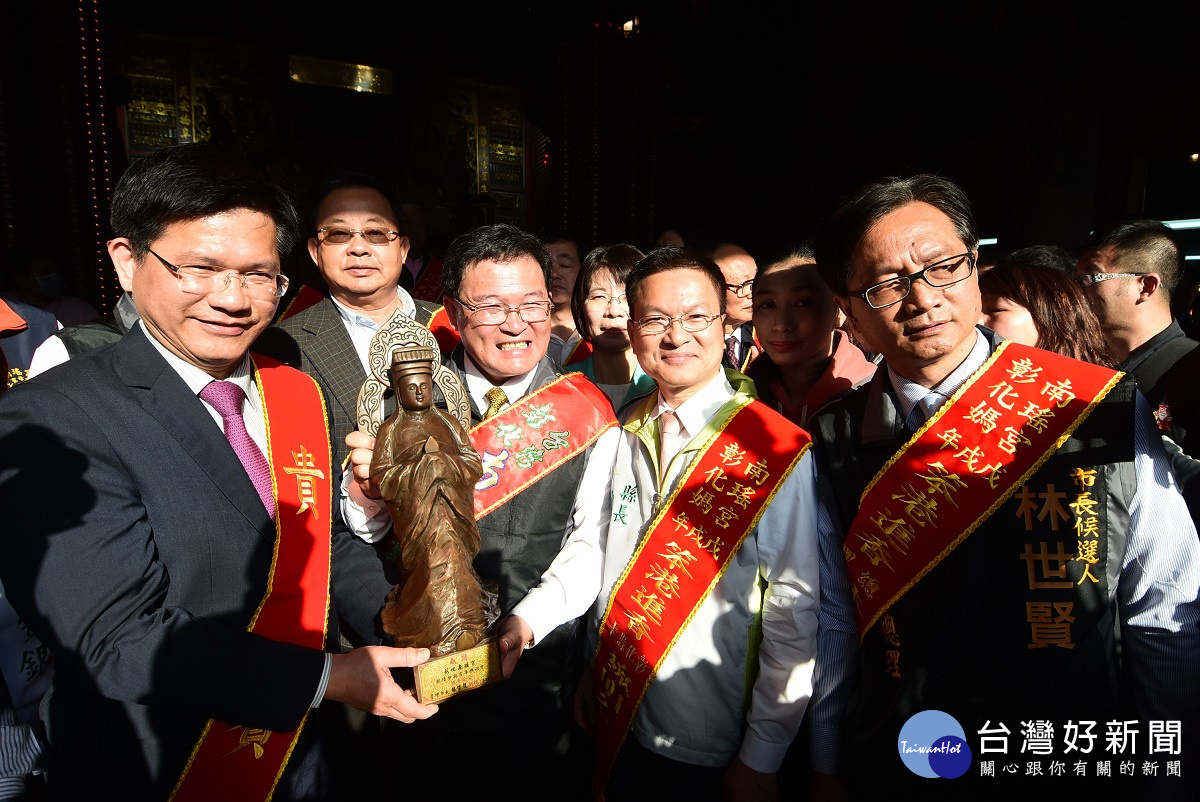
[
  {"x": 580, "y": 352},
  {"x": 687, "y": 548},
  {"x": 231, "y": 761},
  {"x": 958, "y": 468},
  {"x": 10, "y": 320},
  {"x": 446, "y": 335},
  {"x": 429, "y": 285},
  {"x": 305, "y": 298},
  {"x": 536, "y": 435}
]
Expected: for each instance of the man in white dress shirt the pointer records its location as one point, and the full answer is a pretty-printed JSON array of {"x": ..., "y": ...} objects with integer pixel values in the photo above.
[{"x": 722, "y": 704}]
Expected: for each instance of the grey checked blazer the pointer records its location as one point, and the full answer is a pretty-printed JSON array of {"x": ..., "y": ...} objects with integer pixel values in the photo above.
[{"x": 316, "y": 342}]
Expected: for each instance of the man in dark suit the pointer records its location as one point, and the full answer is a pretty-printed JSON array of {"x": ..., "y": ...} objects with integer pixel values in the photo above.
[
  {"x": 548, "y": 441},
  {"x": 359, "y": 249},
  {"x": 739, "y": 270},
  {"x": 156, "y": 539}
]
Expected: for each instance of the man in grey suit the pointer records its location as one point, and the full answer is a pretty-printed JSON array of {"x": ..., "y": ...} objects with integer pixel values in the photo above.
[
  {"x": 359, "y": 249},
  {"x": 151, "y": 537},
  {"x": 356, "y": 242}
]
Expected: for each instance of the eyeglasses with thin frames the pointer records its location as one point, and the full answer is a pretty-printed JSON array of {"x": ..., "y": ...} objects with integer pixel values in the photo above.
[
  {"x": 601, "y": 300},
  {"x": 658, "y": 324},
  {"x": 1086, "y": 280},
  {"x": 203, "y": 280},
  {"x": 495, "y": 314}
]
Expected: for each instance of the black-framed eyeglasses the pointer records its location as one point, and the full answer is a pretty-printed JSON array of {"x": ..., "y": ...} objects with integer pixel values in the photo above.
[
  {"x": 374, "y": 236},
  {"x": 203, "y": 279},
  {"x": 742, "y": 290},
  {"x": 1086, "y": 280},
  {"x": 939, "y": 274},
  {"x": 495, "y": 314},
  {"x": 658, "y": 324}
]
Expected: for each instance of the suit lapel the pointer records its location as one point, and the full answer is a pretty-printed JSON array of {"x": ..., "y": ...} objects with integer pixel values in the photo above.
[
  {"x": 455, "y": 363},
  {"x": 166, "y": 397},
  {"x": 333, "y": 357},
  {"x": 882, "y": 422}
]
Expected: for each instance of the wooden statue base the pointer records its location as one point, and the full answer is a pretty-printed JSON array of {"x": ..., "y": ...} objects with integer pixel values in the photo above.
[{"x": 458, "y": 672}]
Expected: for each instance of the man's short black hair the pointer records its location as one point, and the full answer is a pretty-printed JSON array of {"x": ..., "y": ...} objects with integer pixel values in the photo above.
[
  {"x": 866, "y": 207},
  {"x": 345, "y": 180},
  {"x": 495, "y": 243},
  {"x": 191, "y": 182},
  {"x": 548, "y": 235},
  {"x": 1040, "y": 256},
  {"x": 672, "y": 257},
  {"x": 1143, "y": 246}
]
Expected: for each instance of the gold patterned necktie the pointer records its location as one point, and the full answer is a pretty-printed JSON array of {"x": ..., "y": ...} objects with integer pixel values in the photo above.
[{"x": 496, "y": 400}]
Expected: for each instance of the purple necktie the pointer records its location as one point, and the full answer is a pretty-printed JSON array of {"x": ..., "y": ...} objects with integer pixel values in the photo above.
[
  {"x": 731, "y": 344},
  {"x": 227, "y": 398}
]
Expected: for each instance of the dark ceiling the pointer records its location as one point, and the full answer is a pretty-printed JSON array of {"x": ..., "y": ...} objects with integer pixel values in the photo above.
[{"x": 1052, "y": 115}]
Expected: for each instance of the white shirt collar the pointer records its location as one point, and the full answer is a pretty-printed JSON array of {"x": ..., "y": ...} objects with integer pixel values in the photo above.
[
  {"x": 353, "y": 319},
  {"x": 514, "y": 387},
  {"x": 196, "y": 379},
  {"x": 909, "y": 393},
  {"x": 126, "y": 311},
  {"x": 695, "y": 413}
]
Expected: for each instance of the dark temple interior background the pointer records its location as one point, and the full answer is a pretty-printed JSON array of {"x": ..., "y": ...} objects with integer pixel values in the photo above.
[{"x": 612, "y": 120}]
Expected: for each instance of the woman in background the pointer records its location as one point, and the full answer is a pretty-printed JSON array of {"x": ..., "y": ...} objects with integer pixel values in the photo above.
[
  {"x": 1042, "y": 307},
  {"x": 601, "y": 313}
]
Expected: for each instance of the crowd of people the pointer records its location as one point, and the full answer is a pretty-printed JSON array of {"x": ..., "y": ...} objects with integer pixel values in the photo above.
[{"x": 743, "y": 522}]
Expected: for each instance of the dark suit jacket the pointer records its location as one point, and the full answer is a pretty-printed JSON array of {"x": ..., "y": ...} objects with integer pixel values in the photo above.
[
  {"x": 744, "y": 346},
  {"x": 136, "y": 546},
  {"x": 316, "y": 342}
]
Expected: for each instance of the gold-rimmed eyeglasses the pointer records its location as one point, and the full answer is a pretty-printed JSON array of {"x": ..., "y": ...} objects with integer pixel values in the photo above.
[
  {"x": 373, "y": 236},
  {"x": 658, "y": 324}
]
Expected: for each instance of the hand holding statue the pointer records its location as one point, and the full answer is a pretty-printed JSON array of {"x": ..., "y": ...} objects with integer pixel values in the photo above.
[{"x": 426, "y": 470}]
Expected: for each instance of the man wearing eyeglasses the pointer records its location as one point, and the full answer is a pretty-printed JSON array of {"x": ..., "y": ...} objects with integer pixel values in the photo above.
[
  {"x": 704, "y": 633},
  {"x": 566, "y": 344},
  {"x": 359, "y": 250},
  {"x": 739, "y": 268},
  {"x": 546, "y": 441},
  {"x": 171, "y": 533},
  {"x": 1128, "y": 275},
  {"x": 992, "y": 514}
]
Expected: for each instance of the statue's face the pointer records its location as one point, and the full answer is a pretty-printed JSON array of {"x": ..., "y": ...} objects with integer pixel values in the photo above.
[{"x": 415, "y": 390}]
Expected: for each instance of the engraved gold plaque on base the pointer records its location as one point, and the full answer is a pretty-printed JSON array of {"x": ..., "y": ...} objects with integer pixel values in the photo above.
[{"x": 457, "y": 672}]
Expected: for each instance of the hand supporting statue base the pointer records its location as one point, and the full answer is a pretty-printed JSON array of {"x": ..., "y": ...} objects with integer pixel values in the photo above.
[{"x": 426, "y": 470}]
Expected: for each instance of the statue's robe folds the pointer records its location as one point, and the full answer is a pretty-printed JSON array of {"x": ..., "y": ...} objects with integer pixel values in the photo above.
[{"x": 441, "y": 603}]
